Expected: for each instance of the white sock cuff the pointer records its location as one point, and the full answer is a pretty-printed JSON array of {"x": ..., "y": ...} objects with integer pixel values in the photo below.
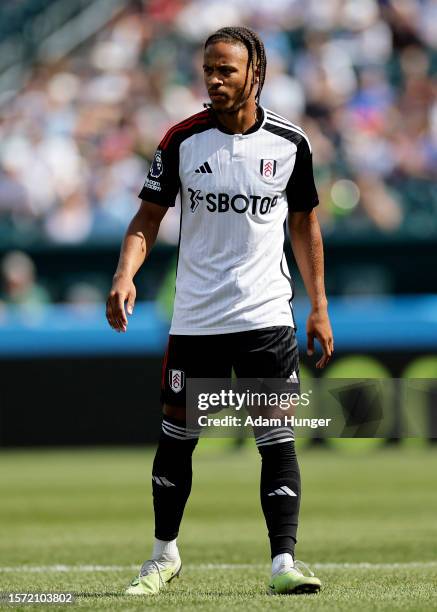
[
  {"x": 281, "y": 563},
  {"x": 163, "y": 547}
]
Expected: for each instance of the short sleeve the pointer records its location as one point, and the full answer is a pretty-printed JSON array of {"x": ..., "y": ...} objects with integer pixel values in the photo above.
[
  {"x": 162, "y": 183},
  {"x": 301, "y": 189}
]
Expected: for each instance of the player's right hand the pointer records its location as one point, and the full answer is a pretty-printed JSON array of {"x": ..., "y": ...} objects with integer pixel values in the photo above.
[{"x": 122, "y": 291}]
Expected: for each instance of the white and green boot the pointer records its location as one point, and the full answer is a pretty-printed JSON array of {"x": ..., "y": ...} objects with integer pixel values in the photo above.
[
  {"x": 292, "y": 581},
  {"x": 154, "y": 576}
]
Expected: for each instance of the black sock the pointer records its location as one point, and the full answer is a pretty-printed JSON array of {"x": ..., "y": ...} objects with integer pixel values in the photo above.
[
  {"x": 280, "y": 491},
  {"x": 172, "y": 476}
]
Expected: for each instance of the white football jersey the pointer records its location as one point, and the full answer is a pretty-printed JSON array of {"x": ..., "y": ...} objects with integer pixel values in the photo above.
[{"x": 236, "y": 191}]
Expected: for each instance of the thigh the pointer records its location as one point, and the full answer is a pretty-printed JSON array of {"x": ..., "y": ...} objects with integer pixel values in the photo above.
[
  {"x": 266, "y": 353},
  {"x": 272, "y": 354},
  {"x": 192, "y": 357}
]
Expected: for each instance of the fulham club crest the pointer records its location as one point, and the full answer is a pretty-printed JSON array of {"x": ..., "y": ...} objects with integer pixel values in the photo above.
[
  {"x": 268, "y": 168},
  {"x": 176, "y": 380}
]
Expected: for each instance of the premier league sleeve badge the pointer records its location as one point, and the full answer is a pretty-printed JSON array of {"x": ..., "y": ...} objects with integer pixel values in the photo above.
[{"x": 157, "y": 166}]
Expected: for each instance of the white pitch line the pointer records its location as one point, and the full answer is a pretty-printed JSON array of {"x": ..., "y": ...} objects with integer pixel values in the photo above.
[
  {"x": 363, "y": 565},
  {"x": 376, "y": 566},
  {"x": 47, "y": 569}
]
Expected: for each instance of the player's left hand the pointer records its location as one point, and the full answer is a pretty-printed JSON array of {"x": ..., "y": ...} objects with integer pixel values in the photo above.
[{"x": 319, "y": 326}]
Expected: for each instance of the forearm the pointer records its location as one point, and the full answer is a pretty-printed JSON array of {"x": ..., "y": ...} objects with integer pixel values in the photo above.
[
  {"x": 307, "y": 245},
  {"x": 137, "y": 244}
]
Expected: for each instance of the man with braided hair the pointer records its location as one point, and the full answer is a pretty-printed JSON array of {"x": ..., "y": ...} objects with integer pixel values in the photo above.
[{"x": 241, "y": 171}]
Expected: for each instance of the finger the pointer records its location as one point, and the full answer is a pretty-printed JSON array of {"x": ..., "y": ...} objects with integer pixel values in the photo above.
[
  {"x": 110, "y": 314},
  {"x": 331, "y": 344},
  {"x": 116, "y": 323},
  {"x": 310, "y": 344},
  {"x": 113, "y": 319},
  {"x": 130, "y": 303},
  {"x": 120, "y": 314},
  {"x": 120, "y": 326},
  {"x": 323, "y": 362},
  {"x": 326, "y": 347}
]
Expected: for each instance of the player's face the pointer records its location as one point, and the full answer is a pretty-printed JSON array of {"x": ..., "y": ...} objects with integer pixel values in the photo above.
[{"x": 224, "y": 70}]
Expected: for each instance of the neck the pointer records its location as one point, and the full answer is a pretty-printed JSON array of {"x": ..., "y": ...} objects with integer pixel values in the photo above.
[{"x": 241, "y": 120}]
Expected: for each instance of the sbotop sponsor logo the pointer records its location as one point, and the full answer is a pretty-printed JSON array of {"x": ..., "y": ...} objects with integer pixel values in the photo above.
[{"x": 238, "y": 203}]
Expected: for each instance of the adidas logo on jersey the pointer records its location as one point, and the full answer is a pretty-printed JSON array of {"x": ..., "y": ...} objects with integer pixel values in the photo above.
[
  {"x": 282, "y": 491},
  {"x": 204, "y": 169}
]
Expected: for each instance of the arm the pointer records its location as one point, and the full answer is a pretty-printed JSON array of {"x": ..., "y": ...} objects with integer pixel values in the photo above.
[
  {"x": 307, "y": 245},
  {"x": 137, "y": 244}
]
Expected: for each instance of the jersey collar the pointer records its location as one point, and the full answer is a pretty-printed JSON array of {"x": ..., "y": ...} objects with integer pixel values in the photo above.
[{"x": 255, "y": 127}]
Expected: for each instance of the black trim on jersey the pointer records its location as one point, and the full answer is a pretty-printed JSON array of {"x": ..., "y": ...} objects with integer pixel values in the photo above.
[
  {"x": 169, "y": 181},
  {"x": 280, "y": 122},
  {"x": 289, "y": 134},
  {"x": 301, "y": 190},
  {"x": 222, "y": 128},
  {"x": 291, "y": 289},
  {"x": 285, "y": 123},
  {"x": 276, "y": 115},
  {"x": 178, "y": 249},
  {"x": 289, "y": 278}
]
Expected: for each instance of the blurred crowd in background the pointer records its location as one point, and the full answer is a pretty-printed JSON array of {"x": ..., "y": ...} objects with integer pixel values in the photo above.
[{"x": 77, "y": 137}]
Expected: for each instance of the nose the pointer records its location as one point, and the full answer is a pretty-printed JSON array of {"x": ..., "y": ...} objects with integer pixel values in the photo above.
[{"x": 214, "y": 81}]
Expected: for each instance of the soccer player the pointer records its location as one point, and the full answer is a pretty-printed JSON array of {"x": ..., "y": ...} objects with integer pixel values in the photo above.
[{"x": 241, "y": 172}]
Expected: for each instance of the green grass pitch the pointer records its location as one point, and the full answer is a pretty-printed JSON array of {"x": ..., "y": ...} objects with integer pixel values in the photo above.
[{"x": 81, "y": 521}]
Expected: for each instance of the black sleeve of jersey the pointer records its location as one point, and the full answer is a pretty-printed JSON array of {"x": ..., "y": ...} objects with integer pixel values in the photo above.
[
  {"x": 162, "y": 183},
  {"x": 301, "y": 190}
]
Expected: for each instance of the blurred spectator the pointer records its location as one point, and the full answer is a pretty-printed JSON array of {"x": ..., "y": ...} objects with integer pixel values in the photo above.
[
  {"x": 76, "y": 140},
  {"x": 84, "y": 293},
  {"x": 19, "y": 285}
]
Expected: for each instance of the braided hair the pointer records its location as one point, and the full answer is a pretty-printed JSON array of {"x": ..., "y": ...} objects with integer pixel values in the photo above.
[{"x": 255, "y": 50}]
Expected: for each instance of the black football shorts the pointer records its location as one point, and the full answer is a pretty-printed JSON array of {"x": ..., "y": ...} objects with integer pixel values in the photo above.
[{"x": 262, "y": 353}]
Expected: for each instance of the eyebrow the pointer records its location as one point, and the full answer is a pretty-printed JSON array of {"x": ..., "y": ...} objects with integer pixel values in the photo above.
[{"x": 221, "y": 66}]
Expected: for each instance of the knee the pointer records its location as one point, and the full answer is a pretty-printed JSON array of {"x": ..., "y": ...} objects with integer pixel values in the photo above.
[{"x": 176, "y": 434}]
